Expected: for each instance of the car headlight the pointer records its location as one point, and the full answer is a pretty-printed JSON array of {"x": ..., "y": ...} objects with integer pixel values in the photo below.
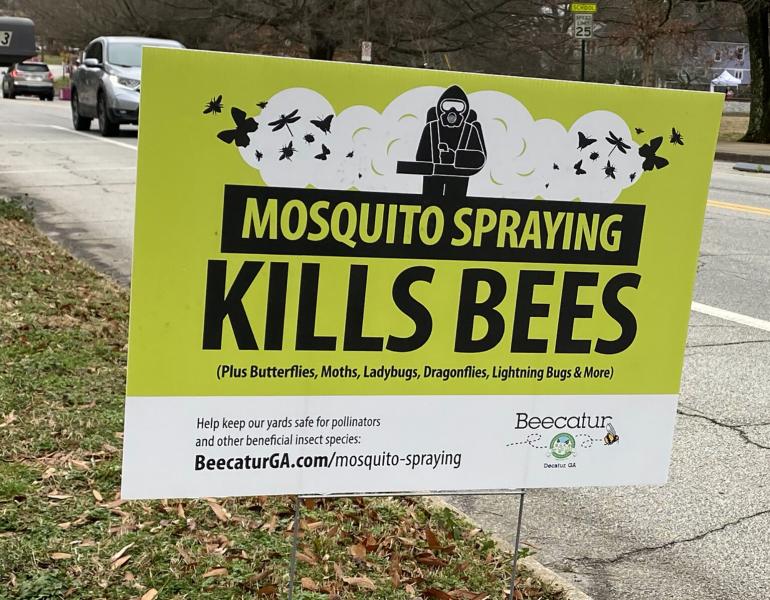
[{"x": 125, "y": 82}]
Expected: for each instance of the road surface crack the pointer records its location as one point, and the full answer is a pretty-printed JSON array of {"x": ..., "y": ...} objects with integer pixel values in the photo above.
[
  {"x": 739, "y": 429},
  {"x": 667, "y": 545},
  {"x": 718, "y": 344}
]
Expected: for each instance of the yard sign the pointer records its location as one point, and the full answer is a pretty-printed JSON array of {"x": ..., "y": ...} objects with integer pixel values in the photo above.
[{"x": 352, "y": 278}]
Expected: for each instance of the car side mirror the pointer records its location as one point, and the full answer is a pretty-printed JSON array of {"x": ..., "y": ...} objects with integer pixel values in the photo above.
[{"x": 92, "y": 63}]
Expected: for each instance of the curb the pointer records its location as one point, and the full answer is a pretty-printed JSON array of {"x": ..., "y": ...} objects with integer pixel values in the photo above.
[
  {"x": 551, "y": 579},
  {"x": 740, "y": 157}
]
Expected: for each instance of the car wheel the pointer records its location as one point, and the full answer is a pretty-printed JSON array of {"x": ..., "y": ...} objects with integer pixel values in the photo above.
[
  {"x": 11, "y": 93},
  {"x": 107, "y": 127},
  {"x": 49, "y": 98},
  {"x": 78, "y": 122}
]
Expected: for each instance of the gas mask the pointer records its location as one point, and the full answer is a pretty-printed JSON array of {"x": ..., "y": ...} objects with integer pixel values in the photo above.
[{"x": 452, "y": 113}]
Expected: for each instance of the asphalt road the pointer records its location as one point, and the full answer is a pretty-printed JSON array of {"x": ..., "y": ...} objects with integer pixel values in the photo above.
[{"x": 703, "y": 535}]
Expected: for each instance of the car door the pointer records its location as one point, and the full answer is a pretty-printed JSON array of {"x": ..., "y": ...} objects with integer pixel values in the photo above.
[{"x": 91, "y": 78}]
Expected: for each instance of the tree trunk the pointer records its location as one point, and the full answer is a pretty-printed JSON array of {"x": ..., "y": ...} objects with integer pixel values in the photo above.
[
  {"x": 759, "y": 50},
  {"x": 320, "y": 46}
]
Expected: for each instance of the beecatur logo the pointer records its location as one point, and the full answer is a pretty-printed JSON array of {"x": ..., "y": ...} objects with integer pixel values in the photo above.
[{"x": 562, "y": 445}]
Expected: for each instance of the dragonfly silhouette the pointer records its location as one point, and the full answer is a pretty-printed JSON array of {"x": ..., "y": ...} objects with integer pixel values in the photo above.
[
  {"x": 243, "y": 127},
  {"x": 617, "y": 143},
  {"x": 285, "y": 121}
]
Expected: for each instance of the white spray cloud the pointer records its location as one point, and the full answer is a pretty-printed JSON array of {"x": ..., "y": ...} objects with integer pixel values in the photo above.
[{"x": 526, "y": 158}]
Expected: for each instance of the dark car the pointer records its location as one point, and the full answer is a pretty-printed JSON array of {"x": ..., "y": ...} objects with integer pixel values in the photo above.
[{"x": 28, "y": 79}]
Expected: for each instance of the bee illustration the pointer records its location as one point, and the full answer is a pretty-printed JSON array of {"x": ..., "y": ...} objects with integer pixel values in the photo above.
[{"x": 611, "y": 437}]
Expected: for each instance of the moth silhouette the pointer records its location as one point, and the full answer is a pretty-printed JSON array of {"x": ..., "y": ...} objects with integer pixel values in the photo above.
[
  {"x": 309, "y": 138},
  {"x": 213, "y": 106},
  {"x": 243, "y": 127},
  {"x": 584, "y": 141},
  {"x": 262, "y": 105},
  {"x": 555, "y": 167},
  {"x": 285, "y": 121},
  {"x": 324, "y": 153},
  {"x": 676, "y": 137},
  {"x": 638, "y": 130},
  {"x": 647, "y": 152},
  {"x": 617, "y": 143},
  {"x": 324, "y": 124},
  {"x": 258, "y": 154},
  {"x": 609, "y": 171},
  {"x": 287, "y": 151},
  {"x": 594, "y": 155},
  {"x": 579, "y": 168},
  {"x": 349, "y": 154},
  {"x": 632, "y": 176}
]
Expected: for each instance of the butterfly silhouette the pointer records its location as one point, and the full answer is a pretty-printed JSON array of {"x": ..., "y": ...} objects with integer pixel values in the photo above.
[
  {"x": 584, "y": 141},
  {"x": 638, "y": 130},
  {"x": 262, "y": 104},
  {"x": 349, "y": 154},
  {"x": 287, "y": 151},
  {"x": 632, "y": 176},
  {"x": 609, "y": 171},
  {"x": 213, "y": 106},
  {"x": 676, "y": 137},
  {"x": 617, "y": 143},
  {"x": 647, "y": 151},
  {"x": 555, "y": 167},
  {"x": 579, "y": 168},
  {"x": 258, "y": 154},
  {"x": 594, "y": 155},
  {"x": 324, "y": 124},
  {"x": 324, "y": 153},
  {"x": 309, "y": 138},
  {"x": 285, "y": 121},
  {"x": 243, "y": 127}
]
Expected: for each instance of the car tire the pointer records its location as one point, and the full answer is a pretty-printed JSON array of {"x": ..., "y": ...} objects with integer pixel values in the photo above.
[
  {"x": 49, "y": 98},
  {"x": 11, "y": 93},
  {"x": 78, "y": 122},
  {"x": 107, "y": 127}
]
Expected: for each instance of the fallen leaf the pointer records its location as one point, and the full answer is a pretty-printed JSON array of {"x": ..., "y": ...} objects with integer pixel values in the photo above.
[
  {"x": 120, "y": 562},
  {"x": 361, "y": 582},
  {"x": 219, "y": 511},
  {"x": 436, "y": 594},
  {"x": 60, "y": 556},
  {"x": 432, "y": 540},
  {"x": 97, "y": 495},
  {"x": 120, "y": 552},
  {"x": 305, "y": 558},
  {"x": 217, "y": 572},
  {"x": 357, "y": 551},
  {"x": 338, "y": 571},
  {"x": 59, "y": 496},
  {"x": 309, "y": 584},
  {"x": 267, "y": 590},
  {"x": 150, "y": 594}
]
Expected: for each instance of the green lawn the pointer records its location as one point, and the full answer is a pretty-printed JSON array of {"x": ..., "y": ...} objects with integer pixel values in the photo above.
[{"x": 64, "y": 531}]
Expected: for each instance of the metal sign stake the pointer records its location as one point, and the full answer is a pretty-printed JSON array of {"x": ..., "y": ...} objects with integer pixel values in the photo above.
[
  {"x": 294, "y": 544},
  {"x": 516, "y": 545}
]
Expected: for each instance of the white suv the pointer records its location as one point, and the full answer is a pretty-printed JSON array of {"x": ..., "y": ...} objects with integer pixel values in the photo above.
[{"x": 106, "y": 83}]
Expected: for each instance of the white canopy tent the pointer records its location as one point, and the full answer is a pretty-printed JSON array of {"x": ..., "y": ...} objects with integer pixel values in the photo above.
[{"x": 725, "y": 80}]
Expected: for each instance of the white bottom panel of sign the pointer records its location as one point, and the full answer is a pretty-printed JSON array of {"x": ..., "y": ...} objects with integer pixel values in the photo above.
[{"x": 179, "y": 447}]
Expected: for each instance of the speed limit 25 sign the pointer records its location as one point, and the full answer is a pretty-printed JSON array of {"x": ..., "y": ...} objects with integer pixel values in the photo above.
[{"x": 583, "y": 26}]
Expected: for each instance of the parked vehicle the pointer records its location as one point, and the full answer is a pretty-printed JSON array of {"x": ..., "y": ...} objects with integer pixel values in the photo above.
[
  {"x": 106, "y": 83},
  {"x": 28, "y": 79}
]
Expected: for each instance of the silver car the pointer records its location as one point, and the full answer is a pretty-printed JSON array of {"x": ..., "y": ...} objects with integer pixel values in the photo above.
[{"x": 106, "y": 83}]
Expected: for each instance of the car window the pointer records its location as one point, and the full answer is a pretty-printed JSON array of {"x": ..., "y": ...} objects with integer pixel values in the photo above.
[
  {"x": 95, "y": 51},
  {"x": 33, "y": 68},
  {"x": 129, "y": 54}
]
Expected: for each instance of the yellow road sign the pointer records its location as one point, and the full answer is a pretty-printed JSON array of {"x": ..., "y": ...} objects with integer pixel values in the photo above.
[{"x": 583, "y": 7}]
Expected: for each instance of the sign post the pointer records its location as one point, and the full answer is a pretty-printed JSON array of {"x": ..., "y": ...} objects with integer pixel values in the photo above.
[{"x": 362, "y": 280}]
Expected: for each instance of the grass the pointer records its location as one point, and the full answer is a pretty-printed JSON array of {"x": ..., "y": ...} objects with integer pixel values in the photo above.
[{"x": 65, "y": 532}]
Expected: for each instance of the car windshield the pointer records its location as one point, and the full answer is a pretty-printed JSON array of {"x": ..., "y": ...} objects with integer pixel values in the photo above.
[
  {"x": 129, "y": 54},
  {"x": 34, "y": 68}
]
